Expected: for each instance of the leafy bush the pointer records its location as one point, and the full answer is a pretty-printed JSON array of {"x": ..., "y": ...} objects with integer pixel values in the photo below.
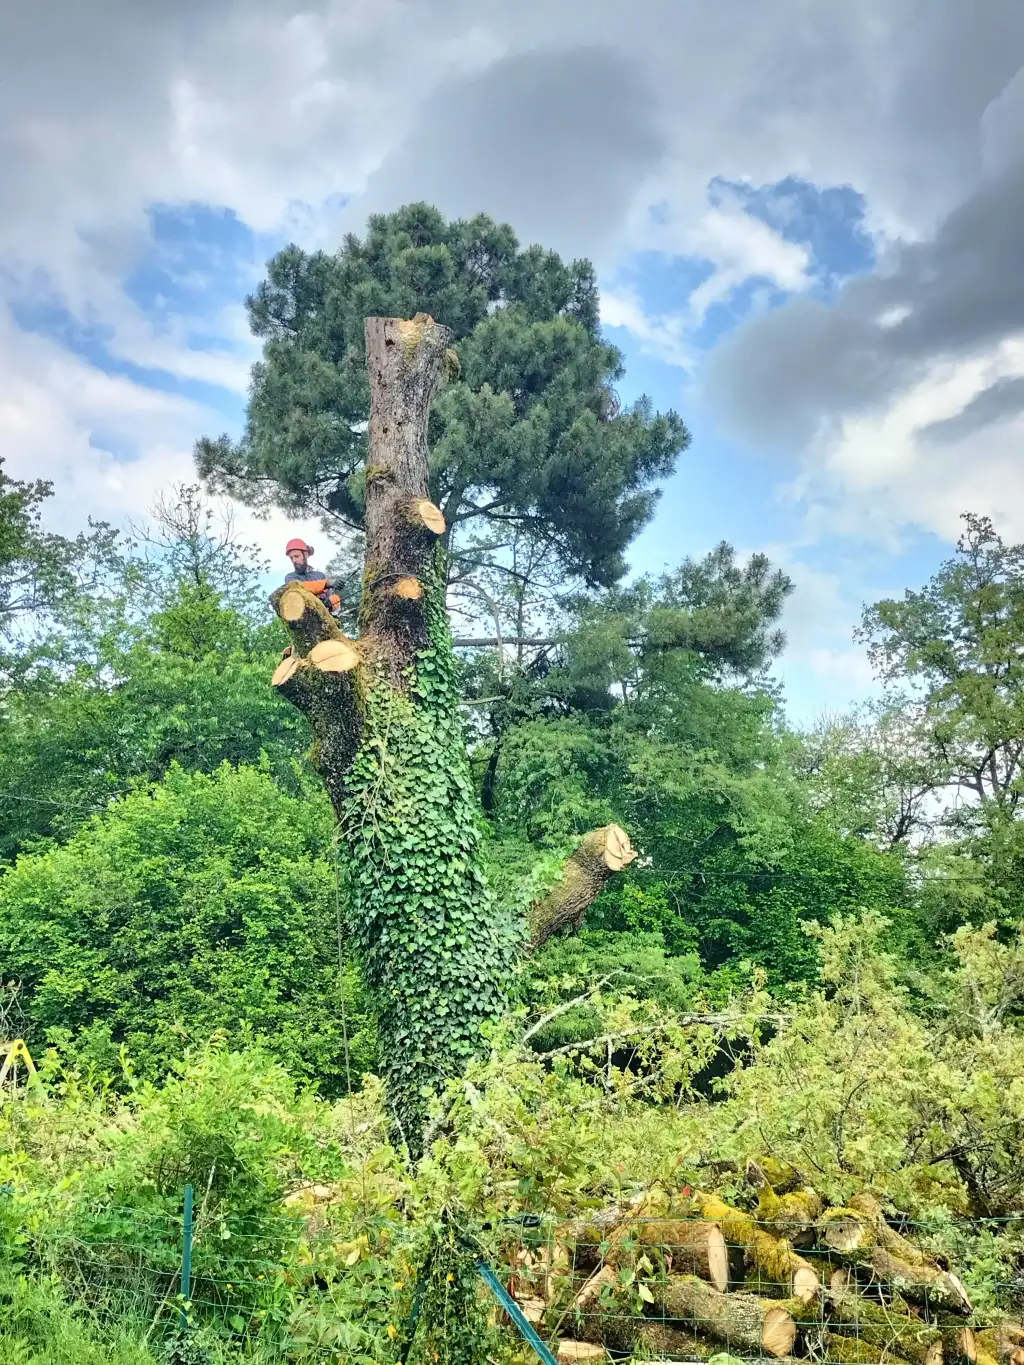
[{"x": 204, "y": 903}]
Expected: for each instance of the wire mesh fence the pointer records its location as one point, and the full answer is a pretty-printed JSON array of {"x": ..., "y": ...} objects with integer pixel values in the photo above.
[
  {"x": 837, "y": 1285},
  {"x": 691, "y": 1288}
]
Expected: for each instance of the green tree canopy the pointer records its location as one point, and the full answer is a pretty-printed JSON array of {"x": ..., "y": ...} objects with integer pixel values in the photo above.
[
  {"x": 43, "y": 575},
  {"x": 530, "y": 435},
  {"x": 170, "y": 667},
  {"x": 959, "y": 643}
]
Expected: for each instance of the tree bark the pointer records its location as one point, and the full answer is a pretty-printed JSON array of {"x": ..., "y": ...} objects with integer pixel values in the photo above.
[
  {"x": 884, "y": 1326},
  {"x": 436, "y": 952},
  {"x": 600, "y": 854}
]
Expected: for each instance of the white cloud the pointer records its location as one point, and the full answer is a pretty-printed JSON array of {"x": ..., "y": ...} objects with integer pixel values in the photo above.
[
  {"x": 822, "y": 665},
  {"x": 664, "y": 337},
  {"x": 63, "y": 420}
]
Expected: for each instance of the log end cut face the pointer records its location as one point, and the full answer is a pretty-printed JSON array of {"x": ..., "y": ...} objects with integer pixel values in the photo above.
[
  {"x": 779, "y": 1334},
  {"x": 618, "y": 849},
  {"x": 335, "y": 656}
]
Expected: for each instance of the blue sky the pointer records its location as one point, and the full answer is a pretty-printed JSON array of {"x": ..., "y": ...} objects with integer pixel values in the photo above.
[{"x": 804, "y": 219}]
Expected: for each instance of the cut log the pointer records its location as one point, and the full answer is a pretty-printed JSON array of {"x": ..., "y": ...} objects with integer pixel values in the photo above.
[
  {"x": 600, "y": 854},
  {"x": 792, "y": 1214},
  {"x": 772, "y": 1258},
  {"x": 898, "y": 1262},
  {"x": 923, "y": 1284},
  {"x": 334, "y": 656},
  {"x": 422, "y": 512},
  {"x": 532, "y": 1310},
  {"x": 694, "y": 1248},
  {"x": 592, "y": 1289},
  {"x": 868, "y": 1207},
  {"x": 409, "y": 588},
  {"x": 847, "y": 1233},
  {"x": 580, "y": 1350},
  {"x": 960, "y": 1346},
  {"x": 740, "y": 1320}
]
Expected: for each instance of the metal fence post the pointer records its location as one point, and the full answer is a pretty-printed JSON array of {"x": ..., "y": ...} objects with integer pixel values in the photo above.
[{"x": 186, "y": 1257}]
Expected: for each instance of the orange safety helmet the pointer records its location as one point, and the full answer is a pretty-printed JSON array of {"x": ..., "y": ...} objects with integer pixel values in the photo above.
[{"x": 298, "y": 545}]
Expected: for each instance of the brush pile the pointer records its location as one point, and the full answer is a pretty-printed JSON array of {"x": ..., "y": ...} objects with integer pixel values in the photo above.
[{"x": 689, "y": 1276}]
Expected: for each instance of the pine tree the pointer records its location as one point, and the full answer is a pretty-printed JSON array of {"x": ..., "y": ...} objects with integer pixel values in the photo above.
[{"x": 529, "y": 435}]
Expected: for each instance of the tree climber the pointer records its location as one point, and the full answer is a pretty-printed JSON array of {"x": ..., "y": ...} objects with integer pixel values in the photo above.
[{"x": 311, "y": 579}]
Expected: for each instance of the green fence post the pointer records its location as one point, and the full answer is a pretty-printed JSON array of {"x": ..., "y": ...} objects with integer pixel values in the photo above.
[{"x": 186, "y": 1257}]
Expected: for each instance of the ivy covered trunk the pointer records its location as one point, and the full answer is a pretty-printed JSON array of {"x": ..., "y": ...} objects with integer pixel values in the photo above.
[{"x": 437, "y": 954}]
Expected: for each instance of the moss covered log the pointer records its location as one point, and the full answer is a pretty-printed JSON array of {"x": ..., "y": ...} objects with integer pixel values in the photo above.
[
  {"x": 437, "y": 955},
  {"x": 860, "y": 1235},
  {"x": 771, "y": 1259}
]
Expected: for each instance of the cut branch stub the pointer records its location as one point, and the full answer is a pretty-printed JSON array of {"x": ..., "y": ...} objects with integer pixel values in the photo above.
[
  {"x": 290, "y": 683},
  {"x": 421, "y": 512},
  {"x": 334, "y": 656},
  {"x": 284, "y": 670},
  {"x": 308, "y": 620},
  {"x": 600, "y": 854},
  {"x": 408, "y": 587}
]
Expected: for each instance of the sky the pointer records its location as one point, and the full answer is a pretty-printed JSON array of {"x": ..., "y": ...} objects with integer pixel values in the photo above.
[{"x": 806, "y": 219}]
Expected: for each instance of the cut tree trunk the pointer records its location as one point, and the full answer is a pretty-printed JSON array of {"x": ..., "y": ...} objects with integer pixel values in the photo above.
[
  {"x": 437, "y": 952},
  {"x": 739, "y": 1320},
  {"x": 600, "y": 854}
]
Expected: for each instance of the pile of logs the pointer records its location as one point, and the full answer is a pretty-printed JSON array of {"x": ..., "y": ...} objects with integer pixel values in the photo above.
[{"x": 690, "y": 1276}]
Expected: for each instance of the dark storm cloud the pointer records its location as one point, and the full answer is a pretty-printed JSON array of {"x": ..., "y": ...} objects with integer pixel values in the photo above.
[
  {"x": 1001, "y": 401},
  {"x": 557, "y": 143},
  {"x": 948, "y": 297}
]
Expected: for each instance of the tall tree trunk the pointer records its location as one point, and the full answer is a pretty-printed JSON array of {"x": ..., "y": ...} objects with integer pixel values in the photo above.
[{"x": 388, "y": 740}]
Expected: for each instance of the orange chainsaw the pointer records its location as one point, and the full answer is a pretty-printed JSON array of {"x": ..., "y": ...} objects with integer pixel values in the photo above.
[{"x": 318, "y": 587}]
